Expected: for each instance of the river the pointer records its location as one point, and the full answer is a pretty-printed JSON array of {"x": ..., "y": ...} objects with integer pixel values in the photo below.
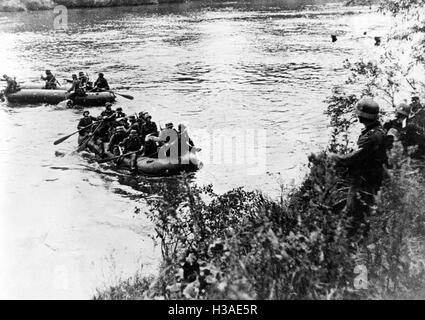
[{"x": 67, "y": 225}]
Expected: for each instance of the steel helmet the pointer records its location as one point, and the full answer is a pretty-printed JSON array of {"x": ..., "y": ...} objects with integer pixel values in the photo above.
[
  {"x": 415, "y": 96},
  {"x": 367, "y": 108},
  {"x": 403, "y": 109}
]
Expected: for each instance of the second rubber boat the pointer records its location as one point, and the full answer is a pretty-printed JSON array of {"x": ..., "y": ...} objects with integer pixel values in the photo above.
[{"x": 55, "y": 96}]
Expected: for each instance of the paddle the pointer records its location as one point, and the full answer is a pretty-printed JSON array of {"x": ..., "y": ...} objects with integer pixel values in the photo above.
[
  {"x": 117, "y": 157},
  {"x": 84, "y": 144},
  {"x": 127, "y": 96},
  {"x": 70, "y": 135}
]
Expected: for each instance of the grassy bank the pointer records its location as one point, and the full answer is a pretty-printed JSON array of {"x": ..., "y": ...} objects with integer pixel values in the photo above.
[{"x": 244, "y": 245}]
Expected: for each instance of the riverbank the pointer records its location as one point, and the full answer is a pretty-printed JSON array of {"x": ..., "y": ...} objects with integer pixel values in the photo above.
[
  {"x": 32, "y": 5},
  {"x": 244, "y": 245}
]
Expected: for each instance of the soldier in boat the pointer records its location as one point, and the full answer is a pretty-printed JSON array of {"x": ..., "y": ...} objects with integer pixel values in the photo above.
[
  {"x": 101, "y": 84},
  {"x": 50, "y": 79}
]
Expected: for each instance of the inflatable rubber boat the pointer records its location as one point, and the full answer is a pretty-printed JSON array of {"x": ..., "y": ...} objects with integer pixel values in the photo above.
[
  {"x": 154, "y": 166},
  {"x": 57, "y": 95}
]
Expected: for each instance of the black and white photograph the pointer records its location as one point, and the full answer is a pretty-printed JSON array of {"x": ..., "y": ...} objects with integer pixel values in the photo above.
[{"x": 194, "y": 151}]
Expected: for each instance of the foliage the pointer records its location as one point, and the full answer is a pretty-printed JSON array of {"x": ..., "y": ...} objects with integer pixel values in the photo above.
[{"x": 244, "y": 245}]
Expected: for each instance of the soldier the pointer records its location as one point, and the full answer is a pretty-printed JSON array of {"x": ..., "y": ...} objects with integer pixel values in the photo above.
[
  {"x": 116, "y": 138},
  {"x": 108, "y": 110},
  {"x": 131, "y": 144},
  {"x": 50, "y": 80},
  {"x": 11, "y": 85},
  {"x": 119, "y": 113},
  {"x": 417, "y": 112},
  {"x": 87, "y": 120},
  {"x": 76, "y": 89},
  {"x": 185, "y": 142},
  {"x": 149, "y": 127},
  {"x": 365, "y": 168},
  {"x": 101, "y": 84},
  {"x": 83, "y": 80},
  {"x": 407, "y": 132},
  {"x": 133, "y": 124}
]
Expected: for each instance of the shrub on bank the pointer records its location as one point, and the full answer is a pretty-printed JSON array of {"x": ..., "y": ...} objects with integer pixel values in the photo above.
[{"x": 244, "y": 245}]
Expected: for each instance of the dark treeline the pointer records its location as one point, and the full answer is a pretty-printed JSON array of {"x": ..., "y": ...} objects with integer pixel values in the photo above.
[{"x": 24, "y": 5}]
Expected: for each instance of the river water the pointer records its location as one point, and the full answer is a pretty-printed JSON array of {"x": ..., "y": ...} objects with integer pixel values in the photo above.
[{"x": 67, "y": 226}]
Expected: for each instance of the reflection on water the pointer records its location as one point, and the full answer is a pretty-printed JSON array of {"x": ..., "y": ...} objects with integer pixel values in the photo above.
[{"x": 239, "y": 65}]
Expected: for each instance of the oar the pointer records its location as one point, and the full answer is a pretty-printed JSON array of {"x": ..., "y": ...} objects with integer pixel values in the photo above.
[
  {"x": 70, "y": 135},
  {"x": 127, "y": 96},
  {"x": 84, "y": 144},
  {"x": 117, "y": 157}
]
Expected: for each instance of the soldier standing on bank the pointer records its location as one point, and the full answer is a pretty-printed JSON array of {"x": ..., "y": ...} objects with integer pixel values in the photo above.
[
  {"x": 417, "y": 116},
  {"x": 365, "y": 168}
]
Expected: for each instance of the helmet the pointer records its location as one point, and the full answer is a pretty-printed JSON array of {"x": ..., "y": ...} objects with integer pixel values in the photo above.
[
  {"x": 415, "y": 96},
  {"x": 131, "y": 117},
  {"x": 101, "y": 74},
  {"x": 403, "y": 109},
  {"x": 120, "y": 129},
  {"x": 74, "y": 76},
  {"x": 147, "y": 115},
  {"x": 367, "y": 108},
  {"x": 48, "y": 72},
  {"x": 133, "y": 132},
  {"x": 81, "y": 73},
  {"x": 169, "y": 125},
  {"x": 86, "y": 112},
  {"x": 108, "y": 104},
  {"x": 119, "y": 109},
  {"x": 141, "y": 113}
]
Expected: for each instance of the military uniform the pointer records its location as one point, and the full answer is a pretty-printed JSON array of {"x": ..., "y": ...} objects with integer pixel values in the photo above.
[
  {"x": 107, "y": 113},
  {"x": 50, "y": 81},
  {"x": 76, "y": 89},
  {"x": 101, "y": 84},
  {"x": 11, "y": 86},
  {"x": 84, "y": 122},
  {"x": 418, "y": 115},
  {"x": 365, "y": 169},
  {"x": 411, "y": 134},
  {"x": 116, "y": 139},
  {"x": 148, "y": 128},
  {"x": 130, "y": 144}
]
